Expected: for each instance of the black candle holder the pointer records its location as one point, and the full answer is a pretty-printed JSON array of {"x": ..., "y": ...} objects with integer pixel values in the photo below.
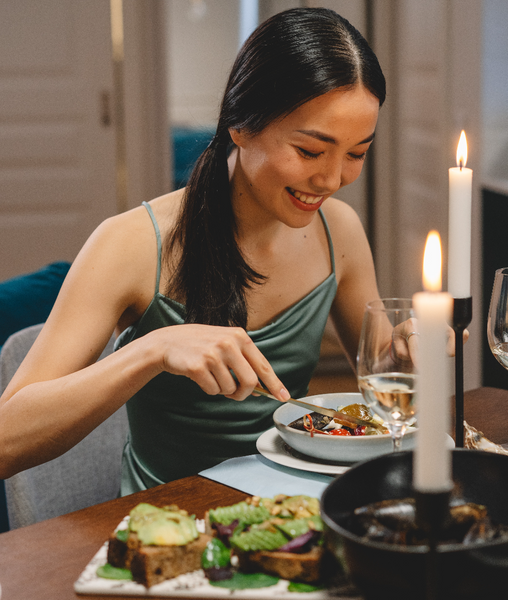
[
  {"x": 432, "y": 516},
  {"x": 462, "y": 315}
]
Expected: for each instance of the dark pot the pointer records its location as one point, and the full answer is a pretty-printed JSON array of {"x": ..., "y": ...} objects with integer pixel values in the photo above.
[{"x": 388, "y": 571}]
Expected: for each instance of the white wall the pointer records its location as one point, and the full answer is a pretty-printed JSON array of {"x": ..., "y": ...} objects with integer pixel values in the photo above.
[{"x": 201, "y": 51}]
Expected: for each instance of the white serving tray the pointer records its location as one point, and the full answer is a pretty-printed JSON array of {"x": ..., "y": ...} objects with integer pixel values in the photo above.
[{"x": 190, "y": 585}]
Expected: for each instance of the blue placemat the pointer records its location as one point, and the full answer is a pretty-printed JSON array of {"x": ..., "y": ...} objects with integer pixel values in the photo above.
[{"x": 258, "y": 476}]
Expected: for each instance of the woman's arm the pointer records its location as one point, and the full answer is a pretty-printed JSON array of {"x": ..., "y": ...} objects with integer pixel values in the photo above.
[{"x": 60, "y": 393}]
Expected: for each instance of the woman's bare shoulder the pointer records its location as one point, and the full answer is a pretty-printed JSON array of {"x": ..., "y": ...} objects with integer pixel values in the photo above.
[
  {"x": 345, "y": 226},
  {"x": 129, "y": 238},
  {"x": 334, "y": 208},
  {"x": 119, "y": 259},
  {"x": 164, "y": 208},
  {"x": 109, "y": 285}
]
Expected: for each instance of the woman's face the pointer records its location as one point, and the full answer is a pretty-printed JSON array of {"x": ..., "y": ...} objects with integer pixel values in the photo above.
[{"x": 291, "y": 167}]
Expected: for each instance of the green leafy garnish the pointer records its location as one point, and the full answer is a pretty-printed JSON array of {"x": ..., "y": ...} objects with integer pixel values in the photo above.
[
  {"x": 122, "y": 535},
  {"x": 244, "y": 581},
  {"x": 303, "y": 587},
  {"x": 109, "y": 572},
  {"x": 216, "y": 554}
]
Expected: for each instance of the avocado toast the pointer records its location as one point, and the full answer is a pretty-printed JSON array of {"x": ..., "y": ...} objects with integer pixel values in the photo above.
[
  {"x": 159, "y": 544},
  {"x": 280, "y": 536}
]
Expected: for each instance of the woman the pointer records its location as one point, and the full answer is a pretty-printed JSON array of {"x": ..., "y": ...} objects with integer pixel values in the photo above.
[{"x": 225, "y": 284}]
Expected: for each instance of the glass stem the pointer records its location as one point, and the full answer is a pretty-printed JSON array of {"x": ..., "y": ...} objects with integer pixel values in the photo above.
[{"x": 397, "y": 429}]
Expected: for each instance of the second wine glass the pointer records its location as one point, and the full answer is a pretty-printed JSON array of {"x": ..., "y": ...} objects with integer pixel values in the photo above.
[
  {"x": 497, "y": 322},
  {"x": 385, "y": 365}
]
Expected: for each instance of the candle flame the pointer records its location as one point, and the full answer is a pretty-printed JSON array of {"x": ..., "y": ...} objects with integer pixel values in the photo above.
[
  {"x": 462, "y": 150},
  {"x": 432, "y": 263}
]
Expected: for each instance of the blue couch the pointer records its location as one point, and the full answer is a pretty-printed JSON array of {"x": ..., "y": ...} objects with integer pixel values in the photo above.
[
  {"x": 188, "y": 143},
  {"x": 27, "y": 299}
]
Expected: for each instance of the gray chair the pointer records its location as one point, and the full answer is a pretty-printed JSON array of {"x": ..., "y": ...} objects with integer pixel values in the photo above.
[{"x": 87, "y": 474}]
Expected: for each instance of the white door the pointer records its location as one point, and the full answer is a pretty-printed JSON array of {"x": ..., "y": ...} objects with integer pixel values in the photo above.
[{"x": 57, "y": 142}]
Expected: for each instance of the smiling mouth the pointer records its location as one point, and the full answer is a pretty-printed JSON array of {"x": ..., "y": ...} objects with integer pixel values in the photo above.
[{"x": 305, "y": 198}]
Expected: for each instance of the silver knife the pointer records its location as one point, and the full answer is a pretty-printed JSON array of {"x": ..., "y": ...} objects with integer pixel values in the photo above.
[{"x": 343, "y": 419}]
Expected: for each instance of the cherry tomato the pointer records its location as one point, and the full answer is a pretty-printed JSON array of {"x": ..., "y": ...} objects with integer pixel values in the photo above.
[{"x": 340, "y": 432}]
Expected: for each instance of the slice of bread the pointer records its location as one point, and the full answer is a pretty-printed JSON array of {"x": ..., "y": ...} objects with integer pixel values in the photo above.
[
  {"x": 305, "y": 567},
  {"x": 153, "y": 564},
  {"x": 120, "y": 553}
]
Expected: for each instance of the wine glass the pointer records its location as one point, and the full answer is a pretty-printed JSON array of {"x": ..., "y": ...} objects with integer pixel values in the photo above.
[
  {"x": 497, "y": 321},
  {"x": 386, "y": 371}
]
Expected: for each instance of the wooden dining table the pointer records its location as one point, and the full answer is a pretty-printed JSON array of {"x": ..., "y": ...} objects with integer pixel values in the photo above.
[{"x": 42, "y": 561}]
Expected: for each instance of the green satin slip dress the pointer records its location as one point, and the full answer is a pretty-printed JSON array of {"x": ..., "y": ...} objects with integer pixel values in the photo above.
[{"x": 177, "y": 430}]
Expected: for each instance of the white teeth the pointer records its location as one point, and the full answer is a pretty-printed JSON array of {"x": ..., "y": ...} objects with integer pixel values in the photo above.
[{"x": 304, "y": 198}]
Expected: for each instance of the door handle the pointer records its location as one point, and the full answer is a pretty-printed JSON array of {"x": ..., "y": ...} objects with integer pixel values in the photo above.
[{"x": 105, "y": 109}]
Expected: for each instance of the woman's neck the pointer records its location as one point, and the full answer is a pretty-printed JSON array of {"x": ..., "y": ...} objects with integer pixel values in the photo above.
[{"x": 255, "y": 227}]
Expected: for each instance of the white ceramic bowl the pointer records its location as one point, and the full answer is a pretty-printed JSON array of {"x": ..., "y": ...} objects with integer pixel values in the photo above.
[{"x": 334, "y": 448}]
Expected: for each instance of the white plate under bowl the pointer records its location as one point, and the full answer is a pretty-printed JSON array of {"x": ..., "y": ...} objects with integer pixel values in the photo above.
[
  {"x": 274, "y": 448},
  {"x": 334, "y": 448}
]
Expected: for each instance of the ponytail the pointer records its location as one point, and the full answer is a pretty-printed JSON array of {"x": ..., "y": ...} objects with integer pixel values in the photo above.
[{"x": 212, "y": 276}]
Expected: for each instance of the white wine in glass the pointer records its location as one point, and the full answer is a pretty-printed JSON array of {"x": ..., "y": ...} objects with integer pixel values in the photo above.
[
  {"x": 497, "y": 322},
  {"x": 386, "y": 372}
]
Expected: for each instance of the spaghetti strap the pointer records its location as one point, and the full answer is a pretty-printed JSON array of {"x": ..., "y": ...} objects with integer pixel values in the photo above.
[
  {"x": 328, "y": 235},
  {"x": 159, "y": 243}
]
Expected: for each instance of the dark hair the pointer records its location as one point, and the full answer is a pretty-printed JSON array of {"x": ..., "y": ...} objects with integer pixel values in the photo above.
[{"x": 291, "y": 58}]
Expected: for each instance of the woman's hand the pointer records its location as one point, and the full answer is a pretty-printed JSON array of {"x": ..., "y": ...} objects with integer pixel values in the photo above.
[
  {"x": 221, "y": 360},
  {"x": 405, "y": 341},
  {"x": 450, "y": 343}
]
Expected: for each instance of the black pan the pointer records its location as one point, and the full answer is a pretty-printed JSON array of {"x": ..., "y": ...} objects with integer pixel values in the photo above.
[{"x": 394, "y": 572}]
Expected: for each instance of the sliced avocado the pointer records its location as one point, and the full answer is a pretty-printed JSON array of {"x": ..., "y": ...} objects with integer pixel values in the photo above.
[
  {"x": 142, "y": 513},
  {"x": 166, "y": 526},
  {"x": 164, "y": 531},
  {"x": 246, "y": 513},
  {"x": 258, "y": 539},
  {"x": 293, "y": 528}
]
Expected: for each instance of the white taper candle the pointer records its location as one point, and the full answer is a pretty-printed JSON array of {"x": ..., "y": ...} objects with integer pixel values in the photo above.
[
  {"x": 433, "y": 309},
  {"x": 460, "y": 183}
]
